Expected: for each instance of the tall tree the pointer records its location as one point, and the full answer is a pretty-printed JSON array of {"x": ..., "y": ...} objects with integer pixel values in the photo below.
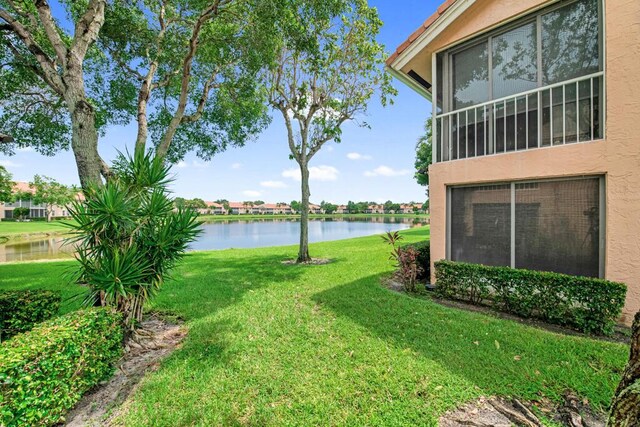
[
  {"x": 6, "y": 185},
  {"x": 328, "y": 67},
  {"x": 424, "y": 155},
  {"x": 51, "y": 193},
  {"x": 185, "y": 71}
]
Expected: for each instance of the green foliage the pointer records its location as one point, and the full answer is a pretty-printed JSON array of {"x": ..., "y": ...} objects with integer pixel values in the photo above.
[
  {"x": 295, "y": 206},
  {"x": 21, "y": 213},
  {"x": 392, "y": 238},
  {"x": 424, "y": 258},
  {"x": 424, "y": 155},
  {"x": 587, "y": 304},
  {"x": 328, "y": 208},
  {"x": 389, "y": 206},
  {"x": 43, "y": 373},
  {"x": 21, "y": 310},
  {"x": 6, "y": 185},
  {"x": 50, "y": 192},
  {"x": 128, "y": 236}
]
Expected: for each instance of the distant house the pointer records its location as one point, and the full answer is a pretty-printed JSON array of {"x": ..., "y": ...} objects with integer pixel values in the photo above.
[
  {"x": 315, "y": 209},
  {"x": 239, "y": 208},
  {"x": 535, "y": 134},
  {"x": 342, "y": 209},
  {"x": 35, "y": 210},
  {"x": 375, "y": 209}
]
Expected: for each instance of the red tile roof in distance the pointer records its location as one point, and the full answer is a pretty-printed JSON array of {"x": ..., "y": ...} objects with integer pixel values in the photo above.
[{"x": 417, "y": 33}]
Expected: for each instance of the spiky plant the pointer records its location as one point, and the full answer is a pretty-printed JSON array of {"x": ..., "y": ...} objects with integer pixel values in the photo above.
[{"x": 128, "y": 237}]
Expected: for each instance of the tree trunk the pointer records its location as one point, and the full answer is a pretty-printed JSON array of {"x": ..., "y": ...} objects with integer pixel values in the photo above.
[
  {"x": 303, "y": 253},
  {"x": 84, "y": 142},
  {"x": 625, "y": 408}
]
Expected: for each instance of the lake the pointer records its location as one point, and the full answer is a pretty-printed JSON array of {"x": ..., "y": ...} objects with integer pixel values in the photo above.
[{"x": 233, "y": 233}]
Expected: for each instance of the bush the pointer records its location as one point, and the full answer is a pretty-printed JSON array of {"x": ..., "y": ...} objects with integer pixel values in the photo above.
[
  {"x": 424, "y": 259},
  {"x": 44, "y": 372},
  {"x": 408, "y": 268},
  {"x": 21, "y": 310},
  {"x": 587, "y": 304}
]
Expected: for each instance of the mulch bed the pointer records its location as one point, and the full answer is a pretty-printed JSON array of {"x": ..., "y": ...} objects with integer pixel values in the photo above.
[{"x": 152, "y": 342}]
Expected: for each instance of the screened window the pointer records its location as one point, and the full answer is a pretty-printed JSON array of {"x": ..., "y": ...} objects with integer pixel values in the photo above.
[
  {"x": 569, "y": 48},
  {"x": 545, "y": 225},
  {"x": 470, "y": 76},
  {"x": 514, "y": 59},
  {"x": 535, "y": 83},
  {"x": 570, "y": 38}
]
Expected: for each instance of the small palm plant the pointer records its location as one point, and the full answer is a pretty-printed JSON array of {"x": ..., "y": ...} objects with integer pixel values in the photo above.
[{"x": 128, "y": 236}]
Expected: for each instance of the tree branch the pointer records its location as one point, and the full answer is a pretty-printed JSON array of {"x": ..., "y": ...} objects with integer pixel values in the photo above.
[
  {"x": 49, "y": 72},
  {"x": 50, "y": 28}
]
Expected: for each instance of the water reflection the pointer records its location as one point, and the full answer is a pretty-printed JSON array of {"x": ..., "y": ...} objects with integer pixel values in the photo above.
[{"x": 234, "y": 233}]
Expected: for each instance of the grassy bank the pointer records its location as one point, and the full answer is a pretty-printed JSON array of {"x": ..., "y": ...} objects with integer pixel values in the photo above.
[
  {"x": 11, "y": 229},
  {"x": 276, "y": 345}
]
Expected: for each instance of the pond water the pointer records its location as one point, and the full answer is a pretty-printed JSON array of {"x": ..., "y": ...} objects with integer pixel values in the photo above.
[{"x": 233, "y": 233}]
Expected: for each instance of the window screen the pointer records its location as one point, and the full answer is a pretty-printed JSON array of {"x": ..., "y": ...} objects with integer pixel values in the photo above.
[
  {"x": 480, "y": 224},
  {"x": 470, "y": 76},
  {"x": 570, "y": 42},
  {"x": 556, "y": 225}
]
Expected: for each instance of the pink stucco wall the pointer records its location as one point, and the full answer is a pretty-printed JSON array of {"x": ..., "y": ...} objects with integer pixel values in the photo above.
[{"x": 617, "y": 157}]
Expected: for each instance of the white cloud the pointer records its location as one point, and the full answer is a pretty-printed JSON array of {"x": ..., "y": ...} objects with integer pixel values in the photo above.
[
  {"x": 316, "y": 173},
  {"x": 9, "y": 164},
  {"x": 251, "y": 193},
  {"x": 197, "y": 164},
  {"x": 358, "y": 156},
  {"x": 273, "y": 184},
  {"x": 24, "y": 149},
  {"x": 181, "y": 164},
  {"x": 236, "y": 166},
  {"x": 387, "y": 171},
  {"x": 329, "y": 148}
]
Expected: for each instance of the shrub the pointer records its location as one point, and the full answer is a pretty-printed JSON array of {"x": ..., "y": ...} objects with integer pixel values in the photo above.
[
  {"x": 44, "y": 372},
  {"x": 21, "y": 213},
  {"x": 408, "y": 268},
  {"x": 424, "y": 259},
  {"x": 587, "y": 304},
  {"x": 128, "y": 237},
  {"x": 21, "y": 310}
]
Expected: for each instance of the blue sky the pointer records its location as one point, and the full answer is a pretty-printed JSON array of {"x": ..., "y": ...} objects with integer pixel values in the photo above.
[{"x": 369, "y": 164}]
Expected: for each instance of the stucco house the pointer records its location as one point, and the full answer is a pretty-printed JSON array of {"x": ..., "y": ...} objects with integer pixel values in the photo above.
[
  {"x": 536, "y": 136},
  {"x": 35, "y": 210}
]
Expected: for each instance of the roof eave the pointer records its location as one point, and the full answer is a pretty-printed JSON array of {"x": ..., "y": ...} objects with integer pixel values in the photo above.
[{"x": 410, "y": 82}]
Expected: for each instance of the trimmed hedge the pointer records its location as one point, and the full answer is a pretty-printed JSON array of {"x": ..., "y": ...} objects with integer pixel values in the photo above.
[
  {"x": 424, "y": 258},
  {"x": 587, "y": 304},
  {"x": 21, "y": 310},
  {"x": 44, "y": 372}
]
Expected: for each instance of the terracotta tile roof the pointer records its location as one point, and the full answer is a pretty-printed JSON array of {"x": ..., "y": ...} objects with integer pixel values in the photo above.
[
  {"x": 23, "y": 187},
  {"x": 417, "y": 33}
]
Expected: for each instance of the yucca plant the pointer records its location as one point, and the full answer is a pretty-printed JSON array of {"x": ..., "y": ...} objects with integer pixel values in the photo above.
[{"x": 128, "y": 237}]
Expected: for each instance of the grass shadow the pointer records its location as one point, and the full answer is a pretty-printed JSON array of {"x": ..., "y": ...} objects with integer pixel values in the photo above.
[{"x": 499, "y": 356}]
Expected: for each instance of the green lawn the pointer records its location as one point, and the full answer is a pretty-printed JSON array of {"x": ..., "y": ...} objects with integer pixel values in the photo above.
[
  {"x": 274, "y": 345},
  {"x": 13, "y": 229}
]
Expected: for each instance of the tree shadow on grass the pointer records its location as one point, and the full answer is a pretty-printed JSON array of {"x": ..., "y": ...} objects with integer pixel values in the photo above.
[
  {"x": 499, "y": 356},
  {"x": 210, "y": 281}
]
